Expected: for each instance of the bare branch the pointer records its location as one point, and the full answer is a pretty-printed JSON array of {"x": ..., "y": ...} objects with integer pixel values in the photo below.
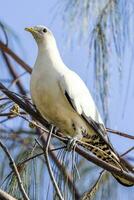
[
  {"x": 88, "y": 195},
  {"x": 14, "y": 168},
  {"x": 13, "y": 73},
  {"x": 60, "y": 166},
  {"x": 86, "y": 155},
  {"x": 26, "y": 67},
  {"x": 46, "y": 149},
  {"x": 10, "y": 114},
  {"x": 120, "y": 133},
  {"x": 126, "y": 152},
  {"x": 7, "y": 50},
  {"x": 39, "y": 118}
]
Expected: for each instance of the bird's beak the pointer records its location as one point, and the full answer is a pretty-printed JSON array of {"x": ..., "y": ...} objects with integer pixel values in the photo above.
[{"x": 31, "y": 30}]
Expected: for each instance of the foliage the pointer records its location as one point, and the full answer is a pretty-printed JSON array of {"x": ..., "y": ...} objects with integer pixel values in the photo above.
[{"x": 107, "y": 25}]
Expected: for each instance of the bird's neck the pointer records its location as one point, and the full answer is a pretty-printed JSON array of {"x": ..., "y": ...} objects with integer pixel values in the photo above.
[{"x": 49, "y": 55}]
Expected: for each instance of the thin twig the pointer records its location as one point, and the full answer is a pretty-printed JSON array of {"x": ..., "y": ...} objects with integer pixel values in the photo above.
[
  {"x": 7, "y": 50},
  {"x": 28, "y": 159},
  {"x": 86, "y": 155},
  {"x": 37, "y": 125},
  {"x": 89, "y": 195},
  {"x": 23, "y": 105},
  {"x": 37, "y": 155},
  {"x": 10, "y": 114},
  {"x": 120, "y": 133},
  {"x": 39, "y": 118},
  {"x": 61, "y": 167},
  {"x": 14, "y": 168},
  {"x": 128, "y": 165},
  {"x": 126, "y": 152},
  {"x": 53, "y": 156},
  {"x": 13, "y": 73},
  {"x": 48, "y": 164}
]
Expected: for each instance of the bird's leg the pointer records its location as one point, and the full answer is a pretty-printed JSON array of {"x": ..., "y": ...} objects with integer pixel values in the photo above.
[
  {"x": 71, "y": 144},
  {"x": 55, "y": 130},
  {"x": 49, "y": 138}
]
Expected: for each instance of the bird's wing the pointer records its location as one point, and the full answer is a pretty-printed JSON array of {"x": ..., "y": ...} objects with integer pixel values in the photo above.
[{"x": 81, "y": 100}]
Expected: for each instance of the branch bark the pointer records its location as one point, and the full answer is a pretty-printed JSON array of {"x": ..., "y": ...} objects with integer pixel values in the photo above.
[
  {"x": 13, "y": 73},
  {"x": 7, "y": 50},
  {"x": 14, "y": 168},
  {"x": 120, "y": 133},
  {"x": 80, "y": 151},
  {"x": 39, "y": 118}
]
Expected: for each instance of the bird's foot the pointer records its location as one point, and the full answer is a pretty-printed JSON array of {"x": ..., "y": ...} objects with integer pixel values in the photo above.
[
  {"x": 72, "y": 142},
  {"x": 55, "y": 130}
]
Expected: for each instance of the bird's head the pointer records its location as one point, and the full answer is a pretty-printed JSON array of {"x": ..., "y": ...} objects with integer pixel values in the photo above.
[{"x": 41, "y": 34}]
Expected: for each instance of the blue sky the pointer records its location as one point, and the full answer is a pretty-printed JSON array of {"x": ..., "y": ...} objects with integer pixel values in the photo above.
[{"x": 20, "y": 14}]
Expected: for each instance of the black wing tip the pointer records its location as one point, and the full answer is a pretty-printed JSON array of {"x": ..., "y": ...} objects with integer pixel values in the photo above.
[{"x": 122, "y": 181}]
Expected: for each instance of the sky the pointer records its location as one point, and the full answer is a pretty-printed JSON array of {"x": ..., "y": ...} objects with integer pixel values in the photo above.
[{"x": 21, "y": 14}]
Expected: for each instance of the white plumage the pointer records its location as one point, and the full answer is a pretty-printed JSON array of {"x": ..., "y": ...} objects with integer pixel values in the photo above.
[
  {"x": 51, "y": 80},
  {"x": 64, "y": 100},
  {"x": 80, "y": 95}
]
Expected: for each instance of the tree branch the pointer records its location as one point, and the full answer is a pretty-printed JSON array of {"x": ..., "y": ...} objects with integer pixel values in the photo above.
[
  {"x": 51, "y": 174},
  {"x": 13, "y": 73},
  {"x": 14, "y": 168},
  {"x": 39, "y": 118},
  {"x": 80, "y": 151},
  {"x": 91, "y": 193},
  {"x": 120, "y": 133},
  {"x": 60, "y": 166},
  {"x": 126, "y": 152},
  {"x": 7, "y": 50}
]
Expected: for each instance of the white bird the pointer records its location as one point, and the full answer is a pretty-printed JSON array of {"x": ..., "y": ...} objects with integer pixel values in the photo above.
[{"x": 64, "y": 100}]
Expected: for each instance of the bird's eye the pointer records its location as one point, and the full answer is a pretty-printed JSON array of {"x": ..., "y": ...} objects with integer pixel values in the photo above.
[{"x": 44, "y": 30}]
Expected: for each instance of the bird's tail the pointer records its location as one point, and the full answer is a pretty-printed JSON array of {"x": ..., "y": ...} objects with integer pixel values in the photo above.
[
  {"x": 104, "y": 151},
  {"x": 123, "y": 181},
  {"x": 127, "y": 167}
]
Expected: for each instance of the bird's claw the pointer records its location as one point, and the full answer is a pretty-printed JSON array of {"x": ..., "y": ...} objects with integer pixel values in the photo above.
[
  {"x": 55, "y": 130},
  {"x": 71, "y": 144}
]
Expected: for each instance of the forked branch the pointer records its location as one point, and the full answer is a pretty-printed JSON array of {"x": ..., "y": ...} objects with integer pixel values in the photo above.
[{"x": 80, "y": 151}]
